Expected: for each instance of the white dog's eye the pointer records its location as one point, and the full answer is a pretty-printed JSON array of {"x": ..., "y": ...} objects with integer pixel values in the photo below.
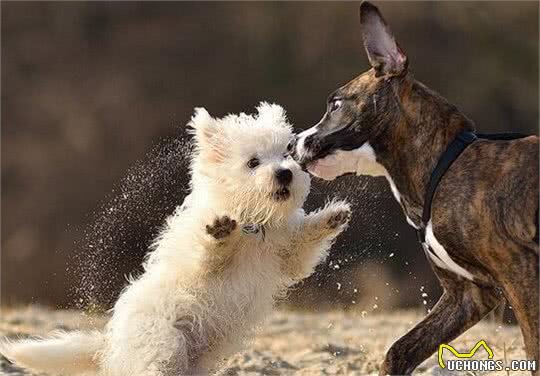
[
  {"x": 253, "y": 162},
  {"x": 334, "y": 105}
]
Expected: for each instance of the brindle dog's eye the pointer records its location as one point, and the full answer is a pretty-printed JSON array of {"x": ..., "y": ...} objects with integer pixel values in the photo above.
[
  {"x": 253, "y": 162},
  {"x": 335, "y": 105}
]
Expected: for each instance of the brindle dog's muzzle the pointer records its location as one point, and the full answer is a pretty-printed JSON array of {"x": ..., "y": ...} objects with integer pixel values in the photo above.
[{"x": 314, "y": 145}]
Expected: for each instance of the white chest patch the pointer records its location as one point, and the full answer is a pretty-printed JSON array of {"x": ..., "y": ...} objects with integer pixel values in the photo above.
[
  {"x": 397, "y": 196},
  {"x": 366, "y": 164},
  {"x": 440, "y": 257},
  {"x": 393, "y": 188},
  {"x": 300, "y": 147},
  {"x": 384, "y": 172}
]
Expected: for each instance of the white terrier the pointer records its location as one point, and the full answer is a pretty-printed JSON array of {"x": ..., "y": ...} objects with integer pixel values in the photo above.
[{"x": 240, "y": 238}]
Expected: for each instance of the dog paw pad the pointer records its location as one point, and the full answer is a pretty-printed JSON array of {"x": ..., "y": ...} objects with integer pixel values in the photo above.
[
  {"x": 339, "y": 218},
  {"x": 222, "y": 227}
]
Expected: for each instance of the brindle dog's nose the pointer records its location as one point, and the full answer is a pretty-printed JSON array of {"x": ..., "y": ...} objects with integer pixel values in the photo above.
[{"x": 284, "y": 176}]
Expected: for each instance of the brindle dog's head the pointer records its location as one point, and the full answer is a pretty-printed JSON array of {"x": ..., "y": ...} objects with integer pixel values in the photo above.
[{"x": 361, "y": 110}]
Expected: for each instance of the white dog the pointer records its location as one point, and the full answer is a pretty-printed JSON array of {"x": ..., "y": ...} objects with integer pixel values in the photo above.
[{"x": 238, "y": 241}]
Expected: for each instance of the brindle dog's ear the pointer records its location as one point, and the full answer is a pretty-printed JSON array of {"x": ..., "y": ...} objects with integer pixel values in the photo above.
[{"x": 382, "y": 49}]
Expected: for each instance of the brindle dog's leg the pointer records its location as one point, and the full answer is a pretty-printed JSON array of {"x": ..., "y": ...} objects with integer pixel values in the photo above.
[
  {"x": 520, "y": 283},
  {"x": 462, "y": 305}
]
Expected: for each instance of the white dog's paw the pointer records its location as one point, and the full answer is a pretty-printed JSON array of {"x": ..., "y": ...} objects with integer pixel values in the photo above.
[
  {"x": 339, "y": 216},
  {"x": 222, "y": 227}
]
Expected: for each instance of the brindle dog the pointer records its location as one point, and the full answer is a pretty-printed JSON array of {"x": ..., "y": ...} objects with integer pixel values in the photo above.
[{"x": 483, "y": 233}]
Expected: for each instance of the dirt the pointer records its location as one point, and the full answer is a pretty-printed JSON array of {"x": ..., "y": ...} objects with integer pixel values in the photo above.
[{"x": 297, "y": 343}]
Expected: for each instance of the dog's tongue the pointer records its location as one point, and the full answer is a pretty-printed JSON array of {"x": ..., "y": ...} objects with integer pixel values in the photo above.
[
  {"x": 334, "y": 165},
  {"x": 322, "y": 170}
]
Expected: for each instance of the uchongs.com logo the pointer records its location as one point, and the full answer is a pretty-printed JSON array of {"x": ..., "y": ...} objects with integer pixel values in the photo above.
[{"x": 463, "y": 361}]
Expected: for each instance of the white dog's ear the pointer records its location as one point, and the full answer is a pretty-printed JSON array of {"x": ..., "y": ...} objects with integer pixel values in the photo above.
[
  {"x": 273, "y": 113},
  {"x": 208, "y": 134}
]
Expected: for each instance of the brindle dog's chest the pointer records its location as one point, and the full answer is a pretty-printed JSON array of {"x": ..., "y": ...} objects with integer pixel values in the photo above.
[
  {"x": 472, "y": 214},
  {"x": 439, "y": 248}
]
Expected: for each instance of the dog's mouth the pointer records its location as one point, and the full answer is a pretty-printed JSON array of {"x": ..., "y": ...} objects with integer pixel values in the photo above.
[
  {"x": 314, "y": 165},
  {"x": 325, "y": 160},
  {"x": 320, "y": 148},
  {"x": 311, "y": 158},
  {"x": 310, "y": 164},
  {"x": 334, "y": 165},
  {"x": 282, "y": 194}
]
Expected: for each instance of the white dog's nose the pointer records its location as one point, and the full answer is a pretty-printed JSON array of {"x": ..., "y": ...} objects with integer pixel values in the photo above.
[{"x": 284, "y": 176}]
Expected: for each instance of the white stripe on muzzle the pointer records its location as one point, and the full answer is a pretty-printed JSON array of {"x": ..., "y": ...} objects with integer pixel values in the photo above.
[{"x": 301, "y": 150}]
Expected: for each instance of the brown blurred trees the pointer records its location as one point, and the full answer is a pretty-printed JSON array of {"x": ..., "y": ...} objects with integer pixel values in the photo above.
[{"x": 88, "y": 88}]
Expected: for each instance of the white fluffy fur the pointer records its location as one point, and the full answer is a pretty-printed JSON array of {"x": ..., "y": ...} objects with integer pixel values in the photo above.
[{"x": 199, "y": 296}]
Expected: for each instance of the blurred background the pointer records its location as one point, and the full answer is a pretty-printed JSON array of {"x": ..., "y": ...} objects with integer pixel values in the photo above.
[{"x": 95, "y": 96}]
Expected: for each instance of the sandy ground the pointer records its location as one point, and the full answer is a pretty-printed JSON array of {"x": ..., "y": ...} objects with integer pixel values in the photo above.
[{"x": 296, "y": 343}]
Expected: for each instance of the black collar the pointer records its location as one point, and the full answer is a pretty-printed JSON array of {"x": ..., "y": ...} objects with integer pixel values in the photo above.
[{"x": 453, "y": 151}]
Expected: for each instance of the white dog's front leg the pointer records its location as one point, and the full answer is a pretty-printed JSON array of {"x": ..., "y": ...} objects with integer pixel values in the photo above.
[
  {"x": 317, "y": 234},
  {"x": 220, "y": 243},
  {"x": 327, "y": 222}
]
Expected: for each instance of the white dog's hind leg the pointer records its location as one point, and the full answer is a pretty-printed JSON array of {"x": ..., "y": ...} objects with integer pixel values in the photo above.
[{"x": 156, "y": 348}]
